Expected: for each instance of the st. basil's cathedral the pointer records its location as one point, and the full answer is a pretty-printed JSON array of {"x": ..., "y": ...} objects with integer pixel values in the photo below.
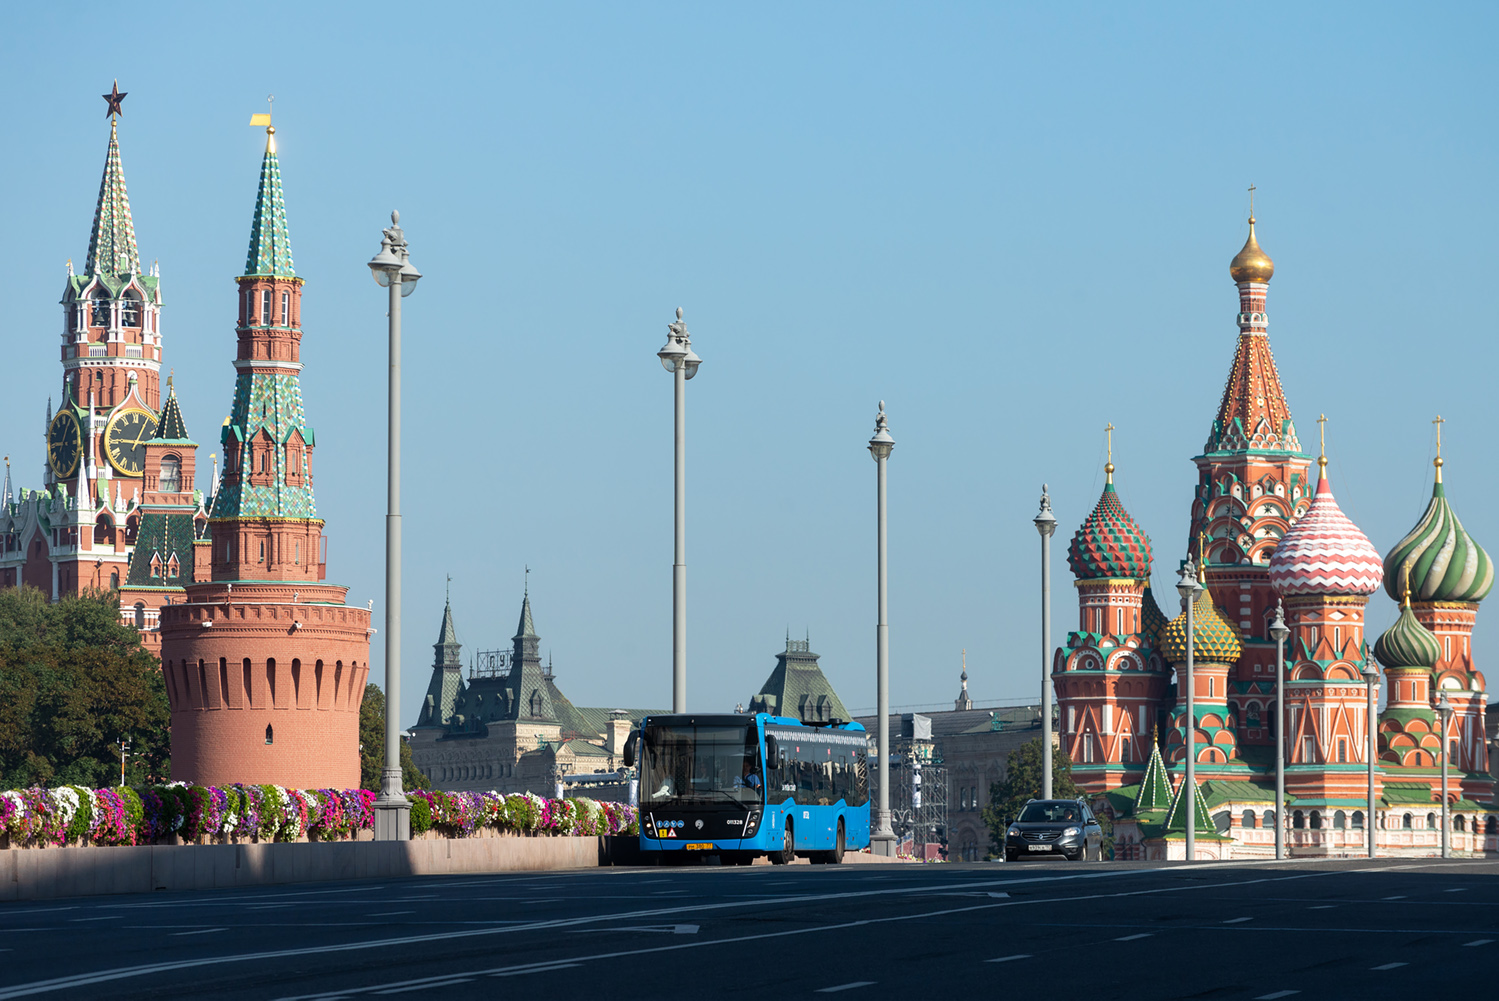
[
  {"x": 1264, "y": 535},
  {"x": 264, "y": 662}
]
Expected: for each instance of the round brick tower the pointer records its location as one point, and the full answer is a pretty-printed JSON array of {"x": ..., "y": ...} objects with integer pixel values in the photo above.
[{"x": 265, "y": 664}]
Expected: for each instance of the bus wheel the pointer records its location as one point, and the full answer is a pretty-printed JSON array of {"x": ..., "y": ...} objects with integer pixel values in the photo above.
[
  {"x": 788, "y": 848},
  {"x": 835, "y": 857}
]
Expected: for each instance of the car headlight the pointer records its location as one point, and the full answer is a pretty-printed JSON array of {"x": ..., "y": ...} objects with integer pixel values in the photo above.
[
  {"x": 1072, "y": 832},
  {"x": 1013, "y": 832}
]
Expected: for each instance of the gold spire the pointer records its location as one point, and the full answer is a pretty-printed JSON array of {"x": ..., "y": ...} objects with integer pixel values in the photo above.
[
  {"x": 1322, "y": 433},
  {"x": 1202, "y": 557},
  {"x": 1108, "y": 468},
  {"x": 1251, "y": 264},
  {"x": 1405, "y": 581},
  {"x": 1437, "y": 462}
]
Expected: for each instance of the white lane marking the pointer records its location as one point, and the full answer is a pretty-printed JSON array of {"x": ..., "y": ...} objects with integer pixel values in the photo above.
[
  {"x": 506, "y": 971},
  {"x": 1131, "y": 938},
  {"x": 1478, "y": 941},
  {"x": 1387, "y": 966},
  {"x": 1398, "y": 896},
  {"x": 145, "y": 969},
  {"x": 845, "y": 987},
  {"x": 1318, "y": 907},
  {"x": 391, "y": 914},
  {"x": 668, "y": 929},
  {"x": 1455, "y": 889},
  {"x": 114, "y": 917},
  {"x": 993, "y": 894},
  {"x": 1277, "y": 994},
  {"x": 443, "y": 983},
  {"x": 200, "y": 931},
  {"x": 1232, "y": 921},
  {"x": 536, "y": 969},
  {"x": 1007, "y": 959}
]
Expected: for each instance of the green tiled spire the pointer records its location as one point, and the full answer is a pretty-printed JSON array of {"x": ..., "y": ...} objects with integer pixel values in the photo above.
[
  {"x": 1202, "y": 821},
  {"x": 271, "y": 403},
  {"x": 270, "y": 242},
  {"x": 111, "y": 245},
  {"x": 1155, "y": 788},
  {"x": 171, "y": 427}
]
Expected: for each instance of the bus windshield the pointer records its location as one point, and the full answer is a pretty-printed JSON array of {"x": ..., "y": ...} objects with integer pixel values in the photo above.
[{"x": 701, "y": 764}]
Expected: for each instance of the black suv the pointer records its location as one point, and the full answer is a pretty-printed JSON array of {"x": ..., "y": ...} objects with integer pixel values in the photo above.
[{"x": 1050, "y": 827}]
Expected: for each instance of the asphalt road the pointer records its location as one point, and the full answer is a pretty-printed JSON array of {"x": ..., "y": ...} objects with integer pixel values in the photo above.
[{"x": 1079, "y": 932}]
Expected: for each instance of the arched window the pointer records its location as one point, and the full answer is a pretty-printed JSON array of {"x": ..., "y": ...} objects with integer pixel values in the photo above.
[
  {"x": 1458, "y": 823},
  {"x": 1358, "y": 820},
  {"x": 1247, "y": 820},
  {"x": 100, "y": 302},
  {"x": 114, "y": 581},
  {"x": 270, "y": 737},
  {"x": 964, "y": 798},
  {"x": 1298, "y": 820},
  {"x": 1405, "y": 822},
  {"x": 1339, "y": 820},
  {"x": 171, "y": 474},
  {"x": 130, "y": 309},
  {"x": 1431, "y": 821},
  {"x": 1124, "y": 751},
  {"x": 1316, "y": 820},
  {"x": 1491, "y": 826},
  {"x": 1268, "y": 819},
  {"x": 140, "y": 615}
]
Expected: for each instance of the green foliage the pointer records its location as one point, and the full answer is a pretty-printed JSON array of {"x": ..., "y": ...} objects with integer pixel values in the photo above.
[
  {"x": 421, "y": 815},
  {"x": 1022, "y": 782},
  {"x": 372, "y": 746},
  {"x": 73, "y": 682}
]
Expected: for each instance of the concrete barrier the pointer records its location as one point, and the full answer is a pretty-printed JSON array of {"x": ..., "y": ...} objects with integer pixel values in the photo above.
[{"x": 47, "y": 873}]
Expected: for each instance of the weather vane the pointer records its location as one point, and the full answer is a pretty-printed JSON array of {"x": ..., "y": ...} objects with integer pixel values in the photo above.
[{"x": 115, "y": 98}]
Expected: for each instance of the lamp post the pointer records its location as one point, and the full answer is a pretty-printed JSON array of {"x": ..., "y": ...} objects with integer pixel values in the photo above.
[
  {"x": 678, "y": 358},
  {"x": 882, "y": 841},
  {"x": 1279, "y": 631},
  {"x": 1046, "y": 525},
  {"x": 1371, "y": 680},
  {"x": 393, "y": 270},
  {"x": 1188, "y": 589},
  {"x": 1444, "y": 710}
]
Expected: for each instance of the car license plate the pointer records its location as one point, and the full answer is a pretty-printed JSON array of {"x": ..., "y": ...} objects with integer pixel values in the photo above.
[
  {"x": 1034, "y": 848},
  {"x": 699, "y": 848}
]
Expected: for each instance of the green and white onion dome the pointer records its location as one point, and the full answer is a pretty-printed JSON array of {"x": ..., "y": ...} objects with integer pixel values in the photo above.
[
  {"x": 1408, "y": 643},
  {"x": 1216, "y": 640},
  {"x": 1445, "y": 563}
]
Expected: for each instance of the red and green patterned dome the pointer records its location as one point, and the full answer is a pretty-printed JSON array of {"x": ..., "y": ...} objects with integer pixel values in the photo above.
[
  {"x": 1152, "y": 619},
  {"x": 1216, "y": 639},
  {"x": 1109, "y": 543}
]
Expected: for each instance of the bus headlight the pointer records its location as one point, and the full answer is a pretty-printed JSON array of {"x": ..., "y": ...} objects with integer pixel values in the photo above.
[{"x": 751, "y": 823}]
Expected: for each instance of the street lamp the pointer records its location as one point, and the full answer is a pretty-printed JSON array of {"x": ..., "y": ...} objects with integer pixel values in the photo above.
[
  {"x": 1279, "y": 631},
  {"x": 1188, "y": 589},
  {"x": 393, "y": 270},
  {"x": 1371, "y": 679},
  {"x": 1444, "y": 710},
  {"x": 1046, "y": 525},
  {"x": 678, "y": 358},
  {"x": 882, "y": 842}
]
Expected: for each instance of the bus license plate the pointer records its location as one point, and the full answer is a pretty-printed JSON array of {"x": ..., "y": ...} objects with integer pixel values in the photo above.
[
  {"x": 1034, "y": 848},
  {"x": 699, "y": 848}
]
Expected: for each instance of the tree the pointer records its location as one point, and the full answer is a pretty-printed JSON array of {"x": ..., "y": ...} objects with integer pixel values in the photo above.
[
  {"x": 372, "y": 745},
  {"x": 73, "y": 683},
  {"x": 1022, "y": 782}
]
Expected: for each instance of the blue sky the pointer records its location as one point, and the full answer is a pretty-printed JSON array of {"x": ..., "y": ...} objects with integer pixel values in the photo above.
[{"x": 1012, "y": 223}]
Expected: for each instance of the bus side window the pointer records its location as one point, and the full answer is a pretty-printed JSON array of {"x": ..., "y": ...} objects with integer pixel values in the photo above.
[
  {"x": 841, "y": 787},
  {"x": 860, "y": 780}
]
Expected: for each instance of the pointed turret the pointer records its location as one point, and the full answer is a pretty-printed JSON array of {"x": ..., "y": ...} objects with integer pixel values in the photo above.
[
  {"x": 1176, "y": 817},
  {"x": 1155, "y": 787},
  {"x": 270, "y": 240},
  {"x": 111, "y": 243},
  {"x": 171, "y": 427},
  {"x": 446, "y": 686}
]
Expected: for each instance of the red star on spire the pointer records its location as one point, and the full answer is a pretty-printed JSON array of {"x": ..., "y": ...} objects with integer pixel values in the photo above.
[{"x": 114, "y": 97}]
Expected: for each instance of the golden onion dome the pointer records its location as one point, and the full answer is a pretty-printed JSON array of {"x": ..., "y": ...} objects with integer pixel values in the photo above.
[{"x": 1251, "y": 264}]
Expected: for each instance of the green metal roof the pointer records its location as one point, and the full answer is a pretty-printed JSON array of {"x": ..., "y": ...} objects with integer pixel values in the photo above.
[{"x": 797, "y": 687}]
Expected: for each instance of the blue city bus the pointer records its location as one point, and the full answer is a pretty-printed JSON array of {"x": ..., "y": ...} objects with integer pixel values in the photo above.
[{"x": 739, "y": 786}]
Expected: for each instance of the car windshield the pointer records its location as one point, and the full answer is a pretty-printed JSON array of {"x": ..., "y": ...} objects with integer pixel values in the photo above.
[
  {"x": 701, "y": 764},
  {"x": 1050, "y": 813}
]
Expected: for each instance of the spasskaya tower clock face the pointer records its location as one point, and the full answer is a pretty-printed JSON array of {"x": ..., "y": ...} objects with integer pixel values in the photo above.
[
  {"x": 125, "y": 440},
  {"x": 64, "y": 443}
]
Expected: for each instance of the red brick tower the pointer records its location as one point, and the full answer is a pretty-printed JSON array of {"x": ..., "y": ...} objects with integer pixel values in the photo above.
[
  {"x": 265, "y": 663},
  {"x": 1252, "y": 484}
]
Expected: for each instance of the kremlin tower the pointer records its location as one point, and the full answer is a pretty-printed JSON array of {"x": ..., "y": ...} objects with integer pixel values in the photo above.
[
  {"x": 113, "y": 465},
  {"x": 265, "y": 663}
]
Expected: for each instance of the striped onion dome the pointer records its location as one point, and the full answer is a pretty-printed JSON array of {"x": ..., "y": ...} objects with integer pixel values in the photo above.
[
  {"x": 1109, "y": 543},
  {"x": 1408, "y": 643},
  {"x": 1325, "y": 553},
  {"x": 1151, "y": 618},
  {"x": 1216, "y": 640},
  {"x": 1446, "y": 564}
]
